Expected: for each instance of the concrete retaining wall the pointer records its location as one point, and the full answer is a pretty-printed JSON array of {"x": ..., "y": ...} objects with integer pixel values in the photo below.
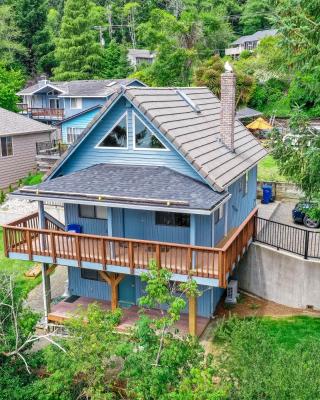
[{"x": 280, "y": 277}]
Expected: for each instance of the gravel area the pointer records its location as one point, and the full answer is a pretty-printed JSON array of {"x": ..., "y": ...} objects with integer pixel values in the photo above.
[{"x": 15, "y": 208}]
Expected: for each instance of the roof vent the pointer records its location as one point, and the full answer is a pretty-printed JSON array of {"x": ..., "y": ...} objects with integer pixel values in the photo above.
[
  {"x": 189, "y": 101},
  {"x": 111, "y": 83}
]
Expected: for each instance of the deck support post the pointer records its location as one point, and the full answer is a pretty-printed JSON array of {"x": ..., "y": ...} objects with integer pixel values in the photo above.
[
  {"x": 46, "y": 291},
  {"x": 113, "y": 281},
  {"x": 193, "y": 315}
]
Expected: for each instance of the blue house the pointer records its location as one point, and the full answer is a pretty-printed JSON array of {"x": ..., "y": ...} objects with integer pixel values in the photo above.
[
  {"x": 54, "y": 101},
  {"x": 163, "y": 174}
]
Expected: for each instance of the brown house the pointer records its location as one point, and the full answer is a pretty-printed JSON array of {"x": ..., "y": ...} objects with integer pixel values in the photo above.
[{"x": 18, "y": 138}]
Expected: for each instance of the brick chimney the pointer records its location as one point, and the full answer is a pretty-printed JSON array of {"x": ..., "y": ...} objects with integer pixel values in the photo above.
[{"x": 228, "y": 104}]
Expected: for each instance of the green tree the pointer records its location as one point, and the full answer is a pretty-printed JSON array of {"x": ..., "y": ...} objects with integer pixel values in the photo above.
[
  {"x": 11, "y": 80},
  {"x": 78, "y": 52},
  {"x": 10, "y": 48},
  {"x": 116, "y": 64},
  {"x": 209, "y": 72},
  {"x": 30, "y": 18},
  {"x": 257, "y": 15}
]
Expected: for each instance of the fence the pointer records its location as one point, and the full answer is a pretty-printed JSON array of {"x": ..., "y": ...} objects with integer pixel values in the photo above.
[
  {"x": 49, "y": 148},
  {"x": 286, "y": 237}
]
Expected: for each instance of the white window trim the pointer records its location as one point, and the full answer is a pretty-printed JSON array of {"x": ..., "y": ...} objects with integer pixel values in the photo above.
[
  {"x": 134, "y": 135},
  {"x": 11, "y": 155},
  {"x": 80, "y": 102},
  {"x": 97, "y": 146},
  {"x": 73, "y": 134}
]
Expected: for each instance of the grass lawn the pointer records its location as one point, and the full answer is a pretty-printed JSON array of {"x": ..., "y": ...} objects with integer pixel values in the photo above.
[
  {"x": 268, "y": 170},
  {"x": 17, "y": 268}
]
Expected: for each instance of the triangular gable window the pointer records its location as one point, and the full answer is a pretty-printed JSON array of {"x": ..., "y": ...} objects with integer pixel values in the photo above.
[
  {"x": 144, "y": 138},
  {"x": 117, "y": 136}
]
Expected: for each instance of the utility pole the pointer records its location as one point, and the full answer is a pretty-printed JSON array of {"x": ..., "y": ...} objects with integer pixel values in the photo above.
[{"x": 101, "y": 29}]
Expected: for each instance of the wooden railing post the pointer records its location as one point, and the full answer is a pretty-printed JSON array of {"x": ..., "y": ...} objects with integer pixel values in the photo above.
[
  {"x": 158, "y": 256},
  {"x": 78, "y": 250},
  {"x": 5, "y": 242},
  {"x": 29, "y": 244},
  {"x": 53, "y": 248},
  {"x": 103, "y": 254},
  {"x": 131, "y": 257}
]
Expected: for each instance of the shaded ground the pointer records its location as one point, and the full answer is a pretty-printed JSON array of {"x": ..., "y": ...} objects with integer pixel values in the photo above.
[{"x": 253, "y": 306}]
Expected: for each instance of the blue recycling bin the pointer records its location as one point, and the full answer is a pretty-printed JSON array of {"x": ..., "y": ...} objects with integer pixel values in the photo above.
[
  {"x": 266, "y": 194},
  {"x": 75, "y": 228}
]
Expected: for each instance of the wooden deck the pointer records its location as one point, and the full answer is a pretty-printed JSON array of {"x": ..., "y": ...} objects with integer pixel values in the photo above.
[
  {"x": 24, "y": 237},
  {"x": 62, "y": 311}
]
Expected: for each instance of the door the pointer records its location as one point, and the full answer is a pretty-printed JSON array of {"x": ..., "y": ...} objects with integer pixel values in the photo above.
[{"x": 127, "y": 292}]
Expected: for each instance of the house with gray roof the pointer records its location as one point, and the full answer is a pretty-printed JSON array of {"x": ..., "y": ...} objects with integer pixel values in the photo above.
[
  {"x": 18, "y": 138},
  {"x": 249, "y": 42},
  {"x": 160, "y": 176},
  {"x": 137, "y": 57},
  {"x": 52, "y": 102}
]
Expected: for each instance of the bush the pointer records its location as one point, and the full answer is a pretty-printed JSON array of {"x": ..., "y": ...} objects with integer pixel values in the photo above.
[{"x": 268, "y": 93}]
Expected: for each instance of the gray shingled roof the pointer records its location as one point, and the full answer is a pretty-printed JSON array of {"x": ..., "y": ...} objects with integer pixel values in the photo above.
[
  {"x": 246, "y": 112},
  {"x": 93, "y": 88},
  {"x": 255, "y": 36},
  {"x": 197, "y": 134},
  {"x": 16, "y": 124},
  {"x": 150, "y": 184}
]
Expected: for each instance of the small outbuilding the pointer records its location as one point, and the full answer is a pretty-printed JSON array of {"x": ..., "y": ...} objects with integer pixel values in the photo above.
[{"x": 18, "y": 138}]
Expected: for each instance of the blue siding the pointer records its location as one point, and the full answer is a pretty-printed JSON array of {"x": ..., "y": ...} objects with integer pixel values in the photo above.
[
  {"x": 240, "y": 206},
  {"x": 77, "y": 122},
  {"x": 89, "y": 225},
  {"x": 87, "y": 155},
  {"x": 86, "y": 103},
  {"x": 87, "y": 288}
]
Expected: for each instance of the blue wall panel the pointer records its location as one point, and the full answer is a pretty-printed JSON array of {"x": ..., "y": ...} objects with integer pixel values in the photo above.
[
  {"x": 87, "y": 155},
  {"x": 86, "y": 103},
  {"x": 241, "y": 205},
  {"x": 87, "y": 288},
  {"x": 89, "y": 225}
]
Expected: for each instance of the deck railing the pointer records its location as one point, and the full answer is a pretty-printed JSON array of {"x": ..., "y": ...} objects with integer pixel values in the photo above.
[
  {"x": 41, "y": 112},
  {"x": 51, "y": 148},
  {"x": 25, "y": 237}
]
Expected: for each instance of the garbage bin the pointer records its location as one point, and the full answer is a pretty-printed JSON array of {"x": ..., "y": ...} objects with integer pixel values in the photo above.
[
  {"x": 266, "y": 194},
  {"x": 74, "y": 228}
]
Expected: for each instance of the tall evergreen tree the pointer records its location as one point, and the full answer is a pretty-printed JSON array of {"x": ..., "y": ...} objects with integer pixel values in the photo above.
[
  {"x": 78, "y": 51},
  {"x": 116, "y": 64},
  {"x": 31, "y": 16}
]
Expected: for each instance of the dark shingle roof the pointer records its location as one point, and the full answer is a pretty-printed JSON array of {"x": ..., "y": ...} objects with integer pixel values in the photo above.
[
  {"x": 15, "y": 124},
  {"x": 147, "y": 185},
  {"x": 81, "y": 88},
  {"x": 246, "y": 112},
  {"x": 255, "y": 36}
]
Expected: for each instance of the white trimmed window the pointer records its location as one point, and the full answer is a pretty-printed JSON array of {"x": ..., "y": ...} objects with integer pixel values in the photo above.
[
  {"x": 76, "y": 103},
  {"x": 117, "y": 136},
  {"x": 96, "y": 212},
  {"x": 73, "y": 133},
  {"x": 144, "y": 138},
  {"x": 6, "y": 147},
  {"x": 218, "y": 214},
  {"x": 244, "y": 184}
]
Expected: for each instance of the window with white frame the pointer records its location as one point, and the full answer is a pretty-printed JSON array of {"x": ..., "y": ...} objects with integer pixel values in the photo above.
[
  {"x": 73, "y": 133},
  {"x": 244, "y": 184},
  {"x": 144, "y": 138},
  {"x": 76, "y": 103},
  {"x": 6, "y": 147},
  {"x": 218, "y": 214},
  {"x": 117, "y": 136}
]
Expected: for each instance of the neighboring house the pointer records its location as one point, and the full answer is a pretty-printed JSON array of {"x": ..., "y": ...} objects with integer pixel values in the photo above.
[
  {"x": 164, "y": 174},
  {"x": 137, "y": 57},
  {"x": 249, "y": 42},
  {"x": 18, "y": 138},
  {"x": 54, "y": 101}
]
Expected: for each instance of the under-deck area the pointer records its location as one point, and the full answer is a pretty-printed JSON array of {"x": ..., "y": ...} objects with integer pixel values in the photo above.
[{"x": 71, "y": 307}]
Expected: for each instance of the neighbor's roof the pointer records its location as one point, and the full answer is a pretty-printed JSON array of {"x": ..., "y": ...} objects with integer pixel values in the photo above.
[
  {"x": 143, "y": 53},
  {"x": 130, "y": 184},
  {"x": 15, "y": 124},
  {"x": 197, "y": 134},
  {"x": 80, "y": 88},
  {"x": 255, "y": 36},
  {"x": 96, "y": 107},
  {"x": 246, "y": 112}
]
